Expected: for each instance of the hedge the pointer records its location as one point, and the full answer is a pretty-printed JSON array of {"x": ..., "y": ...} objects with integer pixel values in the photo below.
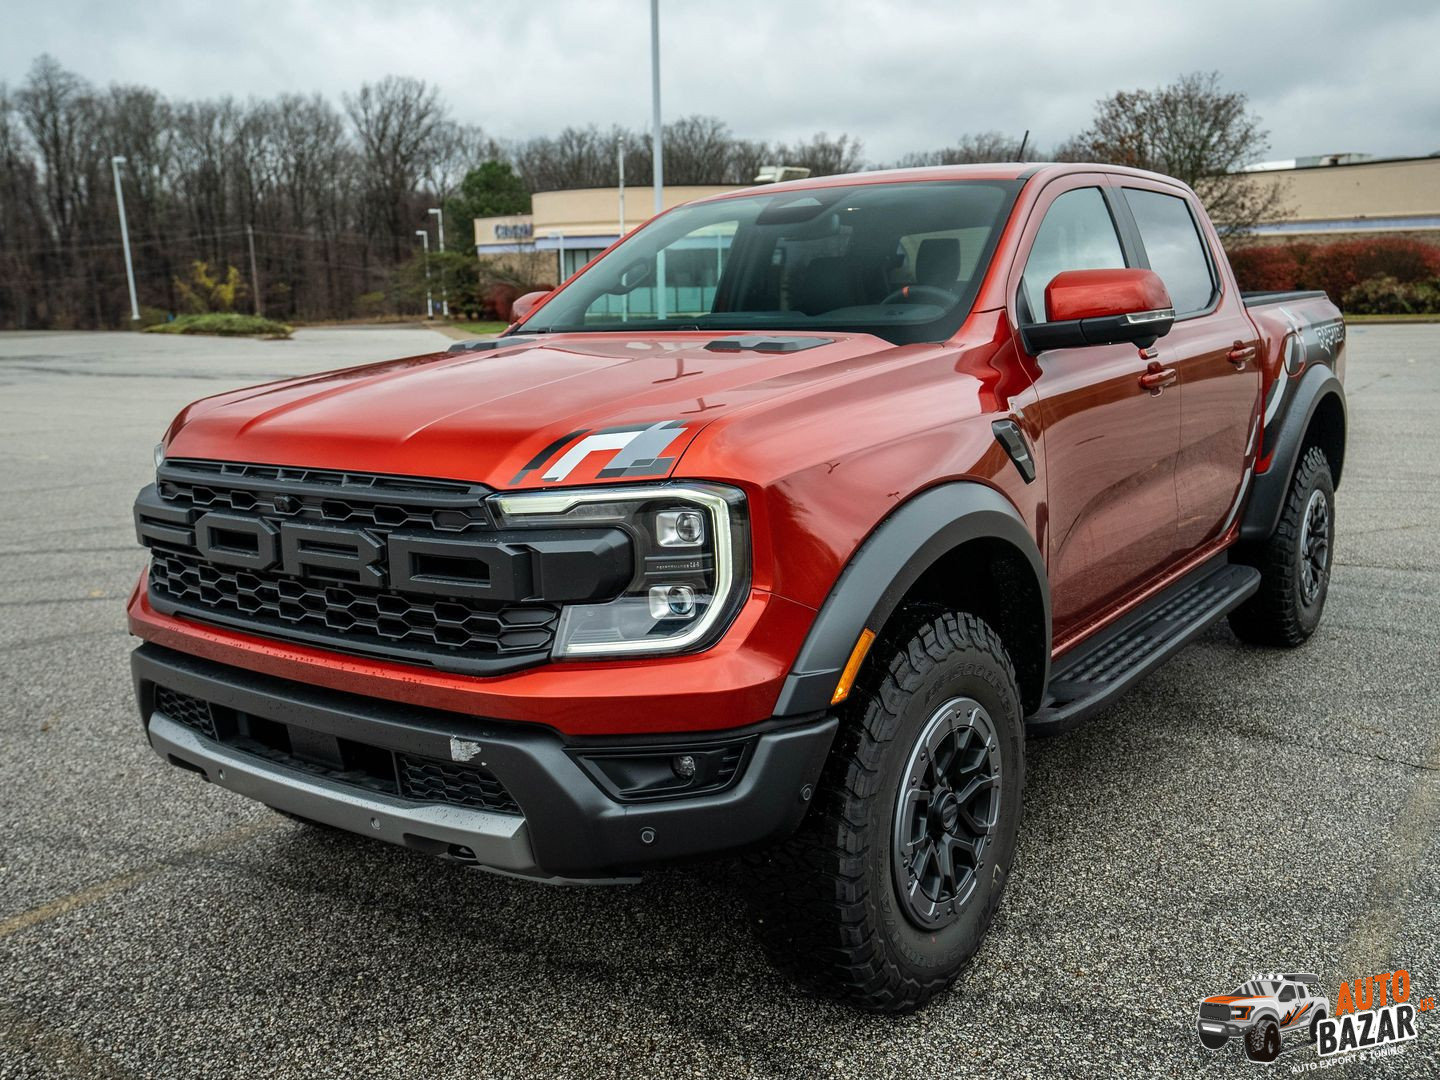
[{"x": 1377, "y": 275}]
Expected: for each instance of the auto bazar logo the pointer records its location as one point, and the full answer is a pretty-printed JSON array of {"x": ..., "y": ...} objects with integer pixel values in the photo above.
[{"x": 1371, "y": 1018}]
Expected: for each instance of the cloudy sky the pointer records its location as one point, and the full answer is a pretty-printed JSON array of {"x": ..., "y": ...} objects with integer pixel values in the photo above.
[{"x": 1329, "y": 75}]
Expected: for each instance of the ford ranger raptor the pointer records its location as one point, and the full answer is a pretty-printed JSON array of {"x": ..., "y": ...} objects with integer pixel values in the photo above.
[
  {"x": 1262, "y": 1011},
  {"x": 774, "y": 531}
]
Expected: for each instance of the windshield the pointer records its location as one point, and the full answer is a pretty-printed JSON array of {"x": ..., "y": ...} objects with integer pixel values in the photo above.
[
  {"x": 1258, "y": 988},
  {"x": 901, "y": 260}
]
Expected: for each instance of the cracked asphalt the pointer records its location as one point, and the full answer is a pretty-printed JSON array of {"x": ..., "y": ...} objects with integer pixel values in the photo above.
[{"x": 1241, "y": 810}]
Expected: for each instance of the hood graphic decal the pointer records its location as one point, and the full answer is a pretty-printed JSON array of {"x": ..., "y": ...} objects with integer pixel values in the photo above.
[{"x": 638, "y": 451}]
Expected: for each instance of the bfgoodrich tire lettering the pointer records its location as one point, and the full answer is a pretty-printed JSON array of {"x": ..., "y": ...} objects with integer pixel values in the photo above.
[
  {"x": 826, "y": 903},
  {"x": 1294, "y": 563}
]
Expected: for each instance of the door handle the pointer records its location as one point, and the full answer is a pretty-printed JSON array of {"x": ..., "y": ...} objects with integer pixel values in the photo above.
[
  {"x": 1156, "y": 378},
  {"x": 1241, "y": 355}
]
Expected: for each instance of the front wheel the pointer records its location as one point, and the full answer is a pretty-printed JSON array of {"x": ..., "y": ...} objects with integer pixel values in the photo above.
[
  {"x": 1294, "y": 563},
  {"x": 1262, "y": 1042},
  {"x": 884, "y": 894}
]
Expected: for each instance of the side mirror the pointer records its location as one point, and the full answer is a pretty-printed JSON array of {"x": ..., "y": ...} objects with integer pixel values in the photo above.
[
  {"x": 1102, "y": 307},
  {"x": 524, "y": 305}
]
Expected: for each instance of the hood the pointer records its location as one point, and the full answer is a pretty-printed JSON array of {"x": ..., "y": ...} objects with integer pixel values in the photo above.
[
  {"x": 1229, "y": 999},
  {"x": 548, "y": 411}
]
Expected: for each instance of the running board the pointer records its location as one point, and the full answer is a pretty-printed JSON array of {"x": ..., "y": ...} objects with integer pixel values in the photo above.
[{"x": 1097, "y": 672}]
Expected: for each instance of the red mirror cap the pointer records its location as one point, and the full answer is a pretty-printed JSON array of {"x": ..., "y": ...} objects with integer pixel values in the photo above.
[
  {"x": 1088, "y": 294},
  {"x": 524, "y": 305}
]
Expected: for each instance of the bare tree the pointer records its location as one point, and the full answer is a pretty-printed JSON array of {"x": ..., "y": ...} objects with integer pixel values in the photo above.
[
  {"x": 396, "y": 121},
  {"x": 970, "y": 149},
  {"x": 822, "y": 155},
  {"x": 1192, "y": 130}
]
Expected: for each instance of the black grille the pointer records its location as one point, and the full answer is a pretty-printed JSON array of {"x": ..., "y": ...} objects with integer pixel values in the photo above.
[
  {"x": 334, "y": 608},
  {"x": 427, "y": 780},
  {"x": 360, "y": 765},
  {"x": 187, "y": 710},
  {"x": 1210, "y": 1010}
]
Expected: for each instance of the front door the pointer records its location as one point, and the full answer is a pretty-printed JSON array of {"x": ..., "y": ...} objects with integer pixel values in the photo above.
[{"x": 1109, "y": 443}]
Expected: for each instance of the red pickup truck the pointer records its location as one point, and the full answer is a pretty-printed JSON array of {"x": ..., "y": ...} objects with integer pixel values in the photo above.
[{"x": 776, "y": 529}]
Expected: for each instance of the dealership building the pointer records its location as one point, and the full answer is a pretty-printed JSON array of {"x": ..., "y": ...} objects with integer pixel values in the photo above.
[
  {"x": 576, "y": 225},
  {"x": 1337, "y": 196},
  {"x": 1330, "y": 196}
]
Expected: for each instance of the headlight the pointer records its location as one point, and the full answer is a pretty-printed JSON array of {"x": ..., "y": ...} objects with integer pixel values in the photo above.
[
  {"x": 692, "y": 564},
  {"x": 159, "y": 454},
  {"x": 1241, "y": 1012}
]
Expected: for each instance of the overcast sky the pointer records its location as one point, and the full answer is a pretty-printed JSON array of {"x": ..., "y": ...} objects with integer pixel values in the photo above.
[{"x": 1330, "y": 75}]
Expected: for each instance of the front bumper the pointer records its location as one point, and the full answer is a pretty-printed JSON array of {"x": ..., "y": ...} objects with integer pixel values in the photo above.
[
  {"x": 566, "y": 826},
  {"x": 1229, "y": 1028}
]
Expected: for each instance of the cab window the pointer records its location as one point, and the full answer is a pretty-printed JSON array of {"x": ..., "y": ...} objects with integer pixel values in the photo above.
[
  {"x": 1077, "y": 234},
  {"x": 1173, "y": 245}
]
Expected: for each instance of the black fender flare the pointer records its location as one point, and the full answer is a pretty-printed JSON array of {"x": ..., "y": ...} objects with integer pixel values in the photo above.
[
  {"x": 1267, "y": 495},
  {"x": 882, "y": 570}
]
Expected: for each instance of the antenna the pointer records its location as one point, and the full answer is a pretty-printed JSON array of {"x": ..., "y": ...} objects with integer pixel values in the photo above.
[{"x": 1024, "y": 143}]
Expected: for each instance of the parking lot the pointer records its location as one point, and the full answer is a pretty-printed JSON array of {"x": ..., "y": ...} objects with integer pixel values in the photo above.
[{"x": 1242, "y": 810}]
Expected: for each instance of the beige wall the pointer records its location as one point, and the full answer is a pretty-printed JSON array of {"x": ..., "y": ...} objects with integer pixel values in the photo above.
[
  {"x": 588, "y": 212},
  {"x": 1381, "y": 189},
  {"x": 596, "y": 211}
]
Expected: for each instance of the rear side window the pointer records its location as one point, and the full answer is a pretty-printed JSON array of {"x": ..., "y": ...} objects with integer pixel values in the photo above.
[
  {"x": 1077, "y": 234},
  {"x": 1174, "y": 247}
]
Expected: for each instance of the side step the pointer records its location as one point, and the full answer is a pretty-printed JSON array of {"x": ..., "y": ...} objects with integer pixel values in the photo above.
[{"x": 1097, "y": 672}]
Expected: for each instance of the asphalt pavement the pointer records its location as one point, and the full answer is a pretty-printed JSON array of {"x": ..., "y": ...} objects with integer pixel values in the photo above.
[{"x": 1241, "y": 810}]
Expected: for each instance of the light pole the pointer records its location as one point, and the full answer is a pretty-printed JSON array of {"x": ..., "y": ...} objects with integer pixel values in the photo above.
[
  {"x": 444, "y": 292},
  {"x": 115, "y": 163},
  {"x": 658, "y": 140},
  {"x": 424, "y": 235}
]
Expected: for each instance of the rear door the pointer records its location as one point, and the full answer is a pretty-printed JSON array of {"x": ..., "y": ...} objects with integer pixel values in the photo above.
[
  {"x": 1214, "y": 347},
  {"x": 1109, "y": 444}
]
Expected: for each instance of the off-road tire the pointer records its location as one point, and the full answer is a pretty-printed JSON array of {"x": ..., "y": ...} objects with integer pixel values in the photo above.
[
  {"x": 824, "y": 903},
  {"x": 1212, "y": 1040},
  {"x": 1315, "y": 1028},
  {"x": 1279, "y": 613},
  {"x": 1262, "y": 1041}
]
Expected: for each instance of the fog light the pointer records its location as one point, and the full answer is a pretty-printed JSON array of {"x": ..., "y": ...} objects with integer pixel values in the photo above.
[
  {"x": 680, "y": 528},
  {"x": 683, "y": 766},
  {"x": 672, "y": 602}
]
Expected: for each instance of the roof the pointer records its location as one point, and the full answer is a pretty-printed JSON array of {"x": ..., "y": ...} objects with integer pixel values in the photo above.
[{"x": 1010, "y": 170}]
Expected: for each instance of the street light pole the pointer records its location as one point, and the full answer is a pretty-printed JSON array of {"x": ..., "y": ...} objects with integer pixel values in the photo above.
[
  {"x": 658, "y": 132},
  {"x": 658, "y": 140},
  {"x": 424, "y": 235},
  {"x": 444, "y": 292},
  {"x": 115, "y": 163}
]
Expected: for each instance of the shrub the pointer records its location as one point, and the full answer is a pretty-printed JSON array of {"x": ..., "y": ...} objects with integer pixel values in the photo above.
[
  {"x": 370, "y": 303},
  {"x": 224, "y": 324},
  {"x": 1335, "y": 268},
  {"x": 1267, "y": 268},
  {"x": 1386, "y": 295},
  {"x": 496, "y": 301},
  {"x": 206, "y": 291}
]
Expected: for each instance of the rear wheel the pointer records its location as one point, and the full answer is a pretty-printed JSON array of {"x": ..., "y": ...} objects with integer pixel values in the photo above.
[
  {"x": 884, "y": 894},
  {"x": 1294, "y": 563}
]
